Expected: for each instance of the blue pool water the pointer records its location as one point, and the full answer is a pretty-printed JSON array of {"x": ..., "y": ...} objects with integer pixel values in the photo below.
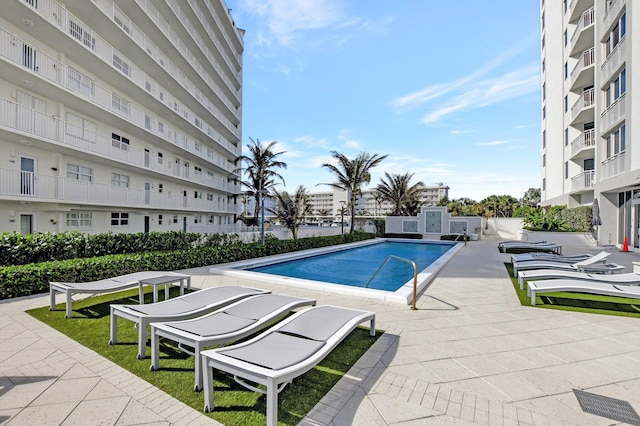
[{"x": 356, "y": 266}]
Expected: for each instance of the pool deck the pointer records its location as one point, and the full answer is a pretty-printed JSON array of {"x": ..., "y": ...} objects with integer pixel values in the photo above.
[{"x": 471, "y": 354}]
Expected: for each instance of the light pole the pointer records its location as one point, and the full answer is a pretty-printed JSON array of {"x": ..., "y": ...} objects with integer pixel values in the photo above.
[
  {"x": 262, "y": 218},
  {"x": 342, "y": 217}
]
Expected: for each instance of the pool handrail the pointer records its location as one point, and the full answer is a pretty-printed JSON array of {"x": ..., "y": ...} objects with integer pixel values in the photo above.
[{"x": 415, "y": 275}]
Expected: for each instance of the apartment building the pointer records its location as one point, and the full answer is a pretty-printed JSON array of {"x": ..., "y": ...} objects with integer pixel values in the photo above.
[
  {"x": 119, "y": 115},
  {"x": 368, "y": 204},
  {"x": 590, "y": 113}
]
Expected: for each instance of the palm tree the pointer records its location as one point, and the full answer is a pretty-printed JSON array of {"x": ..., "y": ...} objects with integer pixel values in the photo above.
[
  {"x": 351, "y": 175},
  {"x": 397, "y": 190},
  {"x": 261, "y": 163},
  {"x": 292, "y": 210}
]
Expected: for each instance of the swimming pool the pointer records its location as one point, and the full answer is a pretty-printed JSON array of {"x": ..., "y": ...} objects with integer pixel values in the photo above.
[{"x": 347, "y": 269}]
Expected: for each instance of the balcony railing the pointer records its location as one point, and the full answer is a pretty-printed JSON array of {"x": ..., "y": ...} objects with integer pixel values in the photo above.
[
  {"x": 63, "y": 19},
  {"x": 41, "y": 125},
  {"x": 584, "y": 180},
  {"x": 586, "y": 20},
  {"x": 35, "y": 186},
  {"x": 614, "y": 113},
  {"x": 586, "y": 140},
  {"x": 585, "y": 60},
  {"x": 613, "y": 166},
  {"x": 584, "y": 101}
]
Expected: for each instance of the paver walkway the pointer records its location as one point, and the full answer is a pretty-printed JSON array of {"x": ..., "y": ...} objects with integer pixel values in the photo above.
[{"x": 470, "y": 355}]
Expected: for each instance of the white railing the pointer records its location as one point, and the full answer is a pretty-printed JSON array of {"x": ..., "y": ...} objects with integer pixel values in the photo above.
[
  {"x": 586, "y": 20},
  {"x": 586, "y": 140},
  {"x": 584, "y": 180},
  {"x": 613, "y": 166},
  {"x": 585, "y": 100},
  {"x": 105, "y": 51},
  {"x": 613, "y": 113},
  {"x": 35, "y": 186},
  {"x": 585, "y": 60},
  {"x": 32, "y": 122},
  {"x": 615, "y": 58}
]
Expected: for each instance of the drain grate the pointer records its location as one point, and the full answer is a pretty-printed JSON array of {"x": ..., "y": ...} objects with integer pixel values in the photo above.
[{"x": 614, "y": 409}]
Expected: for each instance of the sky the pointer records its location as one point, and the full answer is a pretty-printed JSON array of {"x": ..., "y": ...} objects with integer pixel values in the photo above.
[{"x": 448, "y": 90}]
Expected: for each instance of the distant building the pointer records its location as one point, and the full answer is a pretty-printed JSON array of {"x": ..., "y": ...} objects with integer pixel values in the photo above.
[
  {"x": 588, "y": 107},
  {"x": 121, "y": 116},
  {"x": 367, "y": 205}
]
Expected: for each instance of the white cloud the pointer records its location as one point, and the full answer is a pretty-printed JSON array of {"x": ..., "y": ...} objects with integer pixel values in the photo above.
[
  {"x": 492, "y": 143},
  {"x": 488, "y": 92}
]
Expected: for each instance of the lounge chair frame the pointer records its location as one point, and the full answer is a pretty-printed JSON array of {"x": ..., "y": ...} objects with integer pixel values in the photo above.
[
  {"x": 630, "y": 278},
  {"x": 142, "y": 319},
  {"x": 109, "y": 285},
  {"x": 577, "y": 286},
  {"x": 278, "y": 307},
  {"x": 276, "y": 379}
]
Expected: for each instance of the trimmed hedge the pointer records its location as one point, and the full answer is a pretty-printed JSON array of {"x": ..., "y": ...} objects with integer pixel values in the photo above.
[
  {"x": 411, "y": 236},
  {"x": 24, "y": 280}
]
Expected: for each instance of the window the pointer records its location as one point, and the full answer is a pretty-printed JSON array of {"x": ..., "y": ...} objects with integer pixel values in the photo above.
[
  {"x": 120, "y": 104},
  {"x": 544, "y": 91},
  {"x": 175, "y": 218},
  {"x": 542, "y": 21},
  {"x": 209, "y": 196},
  {"x": 80, "y": 128},
  {"x": 566, "y": 39},
  {"x": 122, "y": 21},
  {"x": 81, "y": 173},
  {"x": 198, "y": 147},
  {"x": 566, "y": 103},
  {"x": 566, "y": 169},
  {"x": 160, "y": 158},
  {"x": 544, "y": 139},
  {"x": 566, "y": 136},
  {"x": 616, "y": 88},
  {"x": 544, "y": 184},
  {"x": 80, "y": 82},
  {"x": 159, "y": 219},
  {"x": 197, "y": 219},
  {"x": 543, "y": 65},
  {"x": 616, "y": 35},
  {"x": 615, "y": 143},
  {"x": 81, "y": 34},
  {"x": 160, "y": 188},
  {"x": 566, "y": 70},
  {"x": 79, "y": 219},
  {"x": 197, "y": 194},
  {"x": 211, "y": 218},
  {"x": 121, "y": 65},
  {"x": 119, "y": 142},
  {"x": 119, "y": 219},
  {"x": 121, "y": 181}
]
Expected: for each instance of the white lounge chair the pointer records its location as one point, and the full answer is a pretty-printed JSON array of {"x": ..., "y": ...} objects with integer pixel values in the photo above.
[
  {"x": 631, "y": 278},
  {"x": 223, "y": 326},
  {"x": 190, "y": 305},
  {"x": 579, "y": 286},
  {"x": 587, "y": 265},
  {"x": 526, "y": 247},
  {"x": 110, "y": 285},
  {"x": 510, "y": 242},
  {"x": 282, "y": 353},
  {"x": 538, "y": 255}
]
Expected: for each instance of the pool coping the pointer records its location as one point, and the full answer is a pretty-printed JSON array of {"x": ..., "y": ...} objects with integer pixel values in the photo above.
[{"x": 403, "y": 295}]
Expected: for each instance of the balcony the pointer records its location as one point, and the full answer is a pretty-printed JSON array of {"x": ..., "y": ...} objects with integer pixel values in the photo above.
[
  {"x": 583, "y": 37},
  {"x": 613, "y": 114},
  {"x": 613, "y": 166},
  {"x": 43, "y": 126},
  {"x": 612, "y": 11},
  {"x": 582, "y": 110},
  {"x": 582, "y": 73},
  {"x": 92, "y": 46},
  {"x": 584, "y": 145},
  {"x": 615, "y": 59},
  {"x": 28, "y": 186},
  {"x": 577, "y": 8},
  {"x": 583, "y": 182}
]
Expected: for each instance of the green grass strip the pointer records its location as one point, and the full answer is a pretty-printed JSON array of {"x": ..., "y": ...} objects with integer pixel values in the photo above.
[
  {"x": 235, "y": 405},
  {"x": 578, "y": 302}
]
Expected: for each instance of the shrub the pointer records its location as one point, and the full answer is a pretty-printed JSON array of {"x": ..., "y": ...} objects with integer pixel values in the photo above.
[
  {"x": 24, "y": 280},
  {"x": 558, "y": 219}
]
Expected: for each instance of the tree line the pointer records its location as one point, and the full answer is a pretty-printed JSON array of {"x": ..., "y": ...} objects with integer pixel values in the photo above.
[{"x": 262, "y": 163}]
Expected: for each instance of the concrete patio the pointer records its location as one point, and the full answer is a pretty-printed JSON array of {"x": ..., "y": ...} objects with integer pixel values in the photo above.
[{"x": 471, "y": 354}]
